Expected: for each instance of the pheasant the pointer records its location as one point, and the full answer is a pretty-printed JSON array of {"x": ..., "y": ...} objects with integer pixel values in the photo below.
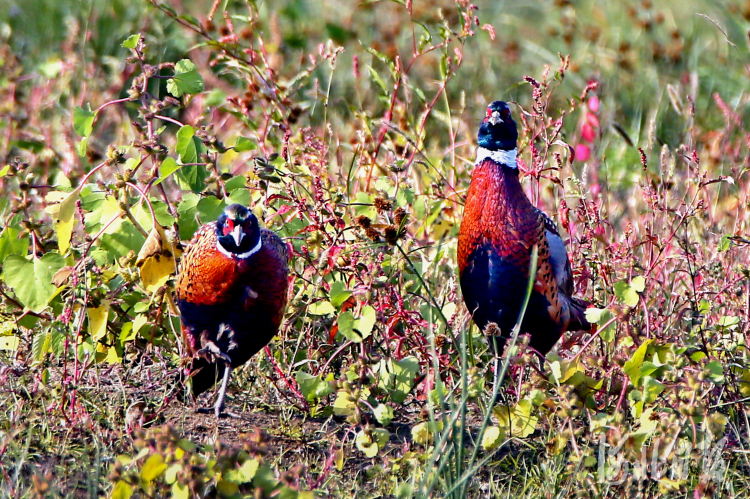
[
  {"x": 499, "y": 228},
  {"x": 232, "y": 293}
]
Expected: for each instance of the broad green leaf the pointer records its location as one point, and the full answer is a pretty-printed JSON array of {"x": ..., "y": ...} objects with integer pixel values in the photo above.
[
  {"x": 167, "y": 168},
  {"x": 633, "y": 366},
  {"x": 715, "y": 372},
  {"x": 244, "y": 144},
  {"x": 40, "y": 346},
  {"x": 186, "y": 79},
  {"x": 186, "y": 146},
  {"x": 10, "y": 244},
  {"x": 397, "y": 376},
  {"x": 245, "y": 473},
  {"x": 339, "y": 294},
  {"x": 346, "y": 322},
  {"x": 384, "y": 414},
  {"x": 32, "y": 280},
  {"x": 313, "y": 387},
  {"x": 628, "y": 292},
  {"x": 652, "y": 388},
  {"x": 153, "y": 467},
  {"x": 83, "y": 120},
  {"x": 366, "y": 321},
  {"x": 131, "y": 42}
]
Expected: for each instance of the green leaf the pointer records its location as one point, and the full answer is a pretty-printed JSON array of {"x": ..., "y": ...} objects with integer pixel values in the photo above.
[
  {"x": 186, "y": 79},
  {"x": 384, "y": 414},
  {"x": 633, "y": 367},
  {"x": 131, "y": 42},
  {"x": 243, "y": 144},
  {"x": 81, "y": 148},
  {"x": 397, "y": 376},
  {"x": 628, "y": 292},
  {"x": 167, "y": 168},
  {"x": 652, "y": 388},
  {"x": 10, "y": 244},
  {"x": 32, "y": 280},
  {"x": 186, "y": 147},
  {"x": 715, "y": 372},
  {"x": 83, "y": 120},
  {"x": 339, "y": 294},
  {"x": 245, "y": 473},
  {"x": 40, "y": 346},
  {"x": 313, "y": 387},
  {"x": 153, "y": 467},
  {"x": 366, "y": 321},
  {"x": 371, "y": 441},
  {"x": 346, "y": 322}
]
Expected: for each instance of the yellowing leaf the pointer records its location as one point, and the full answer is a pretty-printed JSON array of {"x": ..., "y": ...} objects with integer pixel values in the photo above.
[
  {"x": 493, "y": 436},
  {"x": 420, "y": 433},
  {"x": 112, "y": 356},
  {"x": 138, "y": 323},
  {"x": 518, "y": 420},
  {"x": 321, "y": 308},
  {"x": 153, "y": 467},
  {"x": 342, "y": 406},
  {"x": 64, "y": 219},
  {"x": 156, "y": 259},
  {"x": 98, "y": 321},
  {"x": 122, "y": 490},
  {"x": 180, "y": 491},
  {"x": 338, "y": 457},
  {"x": 9, "y": 343}
]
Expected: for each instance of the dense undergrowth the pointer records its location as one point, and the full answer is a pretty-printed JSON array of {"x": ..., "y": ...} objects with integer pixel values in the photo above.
[{"x": 349, "y": 128}]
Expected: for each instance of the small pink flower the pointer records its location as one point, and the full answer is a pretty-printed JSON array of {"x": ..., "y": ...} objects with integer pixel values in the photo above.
[
  {"x": 593, "y": 103},
  {"x": 592, "y": 120},
  {"x": 583, "y": 152},
  {"x": 587, "y": 132}
]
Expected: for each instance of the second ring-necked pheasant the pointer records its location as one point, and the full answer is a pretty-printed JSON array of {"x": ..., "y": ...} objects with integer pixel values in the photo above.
[
  {"x": 232, "y": 293},
  {"x": 499, "y": 228}
]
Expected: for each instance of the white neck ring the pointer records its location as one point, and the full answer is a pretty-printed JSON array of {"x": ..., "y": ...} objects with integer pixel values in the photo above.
[
  {"x": 241, "y": 256},
  {"x": 507, "y": 158}
]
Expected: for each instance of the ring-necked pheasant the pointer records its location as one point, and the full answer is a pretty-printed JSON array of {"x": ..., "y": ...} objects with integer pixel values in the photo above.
[
  {"x": 232, "y": 293},
  {"x": 499, "y": 228}
]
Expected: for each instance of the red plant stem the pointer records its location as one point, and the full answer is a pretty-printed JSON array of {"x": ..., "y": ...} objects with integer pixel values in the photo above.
[
  {"x": 326, "y": 468},
  {"x": 289, "y": 383}
]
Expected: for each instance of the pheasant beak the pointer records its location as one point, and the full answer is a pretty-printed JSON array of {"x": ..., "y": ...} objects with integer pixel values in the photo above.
[
  {"x": 237, "y": 234},
  {"x": 495, "y": 118}
]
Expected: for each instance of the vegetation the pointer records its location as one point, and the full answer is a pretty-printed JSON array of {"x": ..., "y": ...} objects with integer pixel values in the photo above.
[{"x": 349, "y": 129}]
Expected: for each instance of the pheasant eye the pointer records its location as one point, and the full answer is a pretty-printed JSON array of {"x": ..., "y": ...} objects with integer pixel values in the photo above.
[
  {"x": 228, "y": 226},
  {"x": 488, "y": 114}
]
